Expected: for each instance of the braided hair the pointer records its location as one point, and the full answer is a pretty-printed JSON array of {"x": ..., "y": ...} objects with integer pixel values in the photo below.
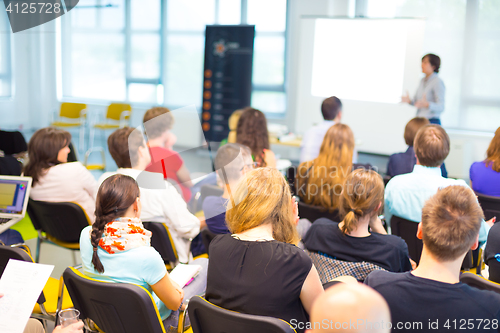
[{"x": 116, "y": 194}]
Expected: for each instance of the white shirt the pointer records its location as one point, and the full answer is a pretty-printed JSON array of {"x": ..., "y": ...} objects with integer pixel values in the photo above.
[
  {"x": 312, "y": 140},
  {"x": 162, "y": 203},
  {"x": 67, "y": 182}
]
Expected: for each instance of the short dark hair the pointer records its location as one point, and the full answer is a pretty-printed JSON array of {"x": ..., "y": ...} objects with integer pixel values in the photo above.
[
  {"x": 331, "y": 107},
  {"x": 225, "y": 155},
  {"x": 451, "y": 220},
  {"x": 123, "y": 145},
  {"x": 432, "y": 145},
  {"x": 412, "y": 128},
  {"x": 434, "y": 60}
]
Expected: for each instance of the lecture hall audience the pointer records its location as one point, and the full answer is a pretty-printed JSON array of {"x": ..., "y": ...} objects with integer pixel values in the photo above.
[
  {"x": 55, "y": 179},
  {"x": 117, "y": 248},
  {"x": 485, "y": 175},
  {"x": 160, "y": 200},
  {"x": 406, "y": 194},
  {"x": 432, "y": 293},
  {"x": 257, "y": 269},
  {"x": 350, "y": 240},
  {"x": 252, "y": 132}
]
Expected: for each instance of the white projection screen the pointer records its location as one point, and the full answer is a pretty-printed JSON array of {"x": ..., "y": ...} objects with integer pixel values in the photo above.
[{"x": 368, "y": 64}]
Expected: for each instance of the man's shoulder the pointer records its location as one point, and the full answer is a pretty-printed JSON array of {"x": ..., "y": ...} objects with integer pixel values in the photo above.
[{"x": 379, "y": 279}]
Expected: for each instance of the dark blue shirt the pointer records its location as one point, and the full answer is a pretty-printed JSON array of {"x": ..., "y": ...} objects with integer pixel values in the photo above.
[
  {"x": 214, "y": 209},
  {"x": 402, "y": 163},
  {"x": 484, "y": 179},
  {"x": 446, "y": 307}
]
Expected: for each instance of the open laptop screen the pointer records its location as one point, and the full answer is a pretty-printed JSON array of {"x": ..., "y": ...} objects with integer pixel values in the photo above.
[{"x": 13, "y": 195}]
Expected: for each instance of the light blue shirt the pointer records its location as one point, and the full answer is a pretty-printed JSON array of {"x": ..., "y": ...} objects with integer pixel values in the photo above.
[
  {"x": 433, "y": 89},
  {"x": 406, "y": 194},
  {"x": 142, "y": 266}
]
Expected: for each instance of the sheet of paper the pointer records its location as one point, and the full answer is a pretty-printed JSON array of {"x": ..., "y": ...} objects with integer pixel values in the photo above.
[
  {"x": 21, "y": 283},
  {"x": 182, "y": 273}
]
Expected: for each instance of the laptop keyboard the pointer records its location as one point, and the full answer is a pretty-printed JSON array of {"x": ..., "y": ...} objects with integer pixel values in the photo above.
[{"x": 4, "y": 220}]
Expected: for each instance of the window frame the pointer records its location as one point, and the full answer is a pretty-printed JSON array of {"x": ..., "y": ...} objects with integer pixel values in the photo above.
[{"x": 7, "y": 57}]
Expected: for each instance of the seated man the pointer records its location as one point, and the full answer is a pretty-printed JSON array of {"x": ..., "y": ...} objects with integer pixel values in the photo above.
[
  {"x": 348, "y": 307},
  {"x": 406, "y": 194},
  {"x": 231, "y": 162},
  {"x": 160, "y": 200},
  {"x": 158, "y": 122},
  {"x": 431, "y": 298},
  {"x": 331, "y": 108},
  {"x": 401, "y": 163}
]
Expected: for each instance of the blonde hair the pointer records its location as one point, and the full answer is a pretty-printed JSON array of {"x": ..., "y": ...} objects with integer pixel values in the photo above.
[
  {"x": 451, "y": 220},
  {"x": 262, "y": 196},
  {"x": 323, "y": 176},
  {"x": 493, "y": 152},
  {"x": 362, "y": 193},
  {"x": 233, "y": 124}
]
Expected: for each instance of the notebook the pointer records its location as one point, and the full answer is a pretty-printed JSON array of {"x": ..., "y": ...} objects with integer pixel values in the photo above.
[{"x": 183, "y": 273}]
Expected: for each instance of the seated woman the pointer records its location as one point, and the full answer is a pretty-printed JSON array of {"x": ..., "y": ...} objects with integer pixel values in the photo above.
[
  {"x": 350, "y": 240},
  {"x": 117, "y": 248},
  {"x": 257, "y": 269},
  {"x": 54, "y": 179},
  {"x": 252, "y": 132},
  {"x": 485, "y": 175},
  {"x": 319, "y": 182}
]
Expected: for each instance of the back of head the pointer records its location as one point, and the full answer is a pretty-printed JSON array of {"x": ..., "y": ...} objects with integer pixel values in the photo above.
[
  {"x": 252, "y": 132},
  {"x": 412, "y": 128},
  {"x": 325, "y": 178},
  {"x": 123, "y": 145},
  {"x": 43, "y": 149},
  {"x": 451, "y": 220},
  {"x": 434, "y": 60},
  {"x": 348, "y": 307},
  {"x": 163, "y": 121},
  {"x": 116, "y": 194},
  {"x": 331, "y": 107},
  {"x": 493, "y": 152},
  {"x": 230, "y": 160},
  {"x": 362, "y": 193},
  {"x": 432, "y": 145},
  {"x": 263, "y": 196}
]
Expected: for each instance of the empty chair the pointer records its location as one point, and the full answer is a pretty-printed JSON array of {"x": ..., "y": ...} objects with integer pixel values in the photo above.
[
  {"x": 73, "y": 115},
  {"x": 114, "y": 307},
  {"x": 117, "y": 116},
  {"x": 62, "y": 223},
  {"x": 208, "y": 318}
]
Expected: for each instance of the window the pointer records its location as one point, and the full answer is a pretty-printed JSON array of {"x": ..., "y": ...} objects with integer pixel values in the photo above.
[
  {"x": 464, "y": 33},
  {"x": 152, "y": 51},
  {"x": 5, "y": 63}
]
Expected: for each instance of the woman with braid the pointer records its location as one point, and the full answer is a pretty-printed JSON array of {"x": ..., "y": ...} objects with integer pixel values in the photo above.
[
  {"x": 351, "y": 240},
  {"x": 117, "y": 248}
]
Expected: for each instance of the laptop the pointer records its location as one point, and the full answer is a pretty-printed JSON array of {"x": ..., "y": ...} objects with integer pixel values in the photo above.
[{"x": 14, "y": 195}]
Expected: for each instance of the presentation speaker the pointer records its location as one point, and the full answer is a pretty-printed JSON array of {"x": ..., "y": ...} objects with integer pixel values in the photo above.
[{"x": 429, "y": 98}]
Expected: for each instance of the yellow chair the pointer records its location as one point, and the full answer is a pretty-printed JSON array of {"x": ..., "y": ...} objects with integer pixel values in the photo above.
[
  {"x": 117, "y": 116},
  {"x": 77, "y": 113}
]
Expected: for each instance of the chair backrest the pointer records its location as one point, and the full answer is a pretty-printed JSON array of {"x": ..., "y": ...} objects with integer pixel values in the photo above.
[
  {"x": 490, "y": 205},
  {"x": 8, "y": 252},
  {"x": 329, "y": 268},
  {"x": 208, "y": 318},
  {"x": 290, "y": 174},
  {"x": 72, "y": 110},
  {"x": 312, "y": 213},
  {"x": 115, "y": 110},
  {"x": 479, "y": 282},
  {"x": 407, "y": 230},
  {"x": 72, "y": 153},
  {"x": 494, "y": 269},
  {"x": 12, "y": 142},
  {"x": 162, "y": 241},
  {"x": 61, "y": 220},
  {"x": 114, "y": 307},
  {"x": 206, "y": 237}
]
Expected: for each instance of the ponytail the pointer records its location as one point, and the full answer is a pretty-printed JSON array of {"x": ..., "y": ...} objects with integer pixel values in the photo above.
[
  {"x": 351, "y": 220},
  {"x": 116, "y": 194}
]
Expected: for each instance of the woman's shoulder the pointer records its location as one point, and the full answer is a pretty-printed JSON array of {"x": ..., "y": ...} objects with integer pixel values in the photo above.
[
  {"x": 69, "y": 167},
  {"x": 392, "y": 241}
]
